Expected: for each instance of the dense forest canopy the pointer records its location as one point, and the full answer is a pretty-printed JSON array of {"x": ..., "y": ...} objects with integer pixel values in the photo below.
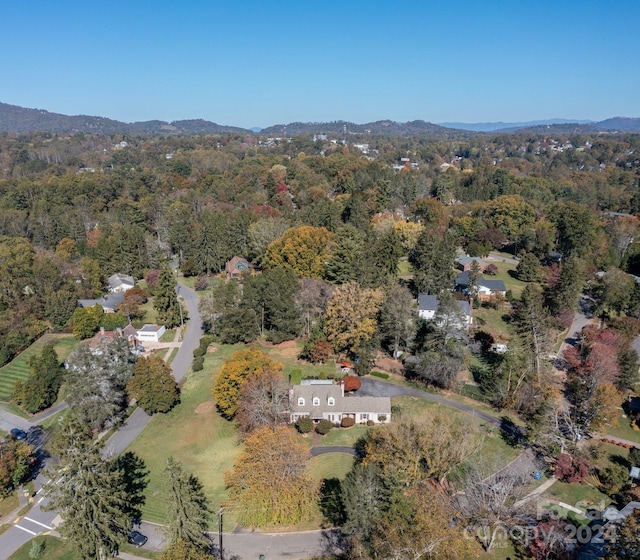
[{"x": 75, "y": 209}]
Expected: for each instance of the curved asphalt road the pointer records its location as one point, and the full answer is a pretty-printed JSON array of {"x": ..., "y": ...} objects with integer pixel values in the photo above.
[
  {"x": 121, "y": 439},
  {"x": 375, "y": 388},
  {"x": 315, "y": 451}
]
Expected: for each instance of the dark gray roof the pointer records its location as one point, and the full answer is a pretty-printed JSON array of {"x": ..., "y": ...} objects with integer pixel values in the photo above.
[
  {"x": 464, "y": 260},
  {"x": 431, "y": 303},
  {"x": 428, "y": 302},
  {"x": 462, "y": 279},
  {"x": 465, "y": 307},
  {"x": 493, "y": 285}
]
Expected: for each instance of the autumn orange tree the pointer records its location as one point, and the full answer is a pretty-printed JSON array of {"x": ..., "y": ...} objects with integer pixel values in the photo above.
[
  {"x": 242, "y": 365},
  {"x": 270, "y": 483},
  {"x": 305, "y": 249}
]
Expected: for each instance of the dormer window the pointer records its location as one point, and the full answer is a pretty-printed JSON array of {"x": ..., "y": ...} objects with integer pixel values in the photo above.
[
  {"x": 316, "y": 401},
  {"x": 300, "y": 401},
  {"x": 331, "y": 401}
]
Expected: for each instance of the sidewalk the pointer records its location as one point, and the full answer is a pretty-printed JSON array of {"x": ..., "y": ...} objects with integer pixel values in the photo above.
[{"x": 536, "y": 492}]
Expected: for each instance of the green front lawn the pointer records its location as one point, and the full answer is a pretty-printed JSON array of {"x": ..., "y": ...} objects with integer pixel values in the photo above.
[
  {"x": 18, "y": 370},
  {"x": 196, "y": 435},
  {"x": 331, "y": 465},
  {"x": 343, "y": 436}
]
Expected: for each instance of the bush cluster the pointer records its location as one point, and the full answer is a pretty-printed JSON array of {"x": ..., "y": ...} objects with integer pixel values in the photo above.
[
  {"x": 304, "y": 425},
  {"x": 197, "y": 364},
  {"x": 347, "y": 422},
  {"x": 324, "y": 426}
]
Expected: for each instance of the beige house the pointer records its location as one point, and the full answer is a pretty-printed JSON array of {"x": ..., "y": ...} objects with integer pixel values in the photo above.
[{"x": 325, "y": 400}]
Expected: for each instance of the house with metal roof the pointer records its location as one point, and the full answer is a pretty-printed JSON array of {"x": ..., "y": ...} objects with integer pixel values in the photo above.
[
  {"x": 109, "y": 303},
  {"x": 322, "y": 400}
]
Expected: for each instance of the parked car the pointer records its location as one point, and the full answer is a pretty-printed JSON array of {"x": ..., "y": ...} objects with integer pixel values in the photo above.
[
  {"x": 137, "y": 539},
  {"x": 17, "y": 433}
]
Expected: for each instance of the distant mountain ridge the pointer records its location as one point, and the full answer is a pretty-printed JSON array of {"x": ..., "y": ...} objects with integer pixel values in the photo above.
[
  {"x": 495, "y": 126},
  {"x": 380, "y": 128},
  {"x": 21, "y": 120}
]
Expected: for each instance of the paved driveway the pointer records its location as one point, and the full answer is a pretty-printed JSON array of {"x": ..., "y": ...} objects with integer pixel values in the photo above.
[{"x": 375, "y": 388}]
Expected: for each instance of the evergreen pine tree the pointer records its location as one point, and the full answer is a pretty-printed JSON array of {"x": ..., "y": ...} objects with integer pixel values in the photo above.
[
  {"x": 92, "y": 500},
  {"x": 188, "y": 511},
  {"x": 165, "y": 300}
]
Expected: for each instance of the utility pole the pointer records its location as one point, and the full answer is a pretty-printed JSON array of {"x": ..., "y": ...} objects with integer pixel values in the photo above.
[{"x": 220, "y": 533}]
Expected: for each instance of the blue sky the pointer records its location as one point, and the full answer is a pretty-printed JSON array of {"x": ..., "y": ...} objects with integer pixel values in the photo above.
[{"x": 257, "y": 63}]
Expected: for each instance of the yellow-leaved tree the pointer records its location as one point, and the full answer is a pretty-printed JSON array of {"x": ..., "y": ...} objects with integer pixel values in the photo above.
[
  {"x": 351, "y": 316},
  {"x": 305, "y": 249},
  {"x": 235, "y": 371},
  {"x": 415, "y": 450},
  {"x": 270, "y": 483}
]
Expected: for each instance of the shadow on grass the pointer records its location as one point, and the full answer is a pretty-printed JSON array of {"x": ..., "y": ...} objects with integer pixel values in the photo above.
[
  {"x": 512, "y": 434},
  {"x": 331, "y": 502}
]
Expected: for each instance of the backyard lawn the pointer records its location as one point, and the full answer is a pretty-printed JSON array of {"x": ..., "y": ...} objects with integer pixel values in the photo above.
[
  {"x": 577, "y": 494},
  {"x": 18, "y": 370},
  {"x": 510, "y": 282}
]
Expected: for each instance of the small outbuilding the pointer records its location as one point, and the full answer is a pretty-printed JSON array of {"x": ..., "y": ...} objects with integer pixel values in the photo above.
[{"x": 150, "y": 333}]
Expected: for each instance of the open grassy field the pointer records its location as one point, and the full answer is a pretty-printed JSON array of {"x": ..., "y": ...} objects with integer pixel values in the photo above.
[
  {"x": 577, "y": 494},
  {"x": 287, "y": 354},
  {"x": 505, "y": 273},
  {"x": 18, "y": 370},
  {"x": 193, "y": 433}
]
